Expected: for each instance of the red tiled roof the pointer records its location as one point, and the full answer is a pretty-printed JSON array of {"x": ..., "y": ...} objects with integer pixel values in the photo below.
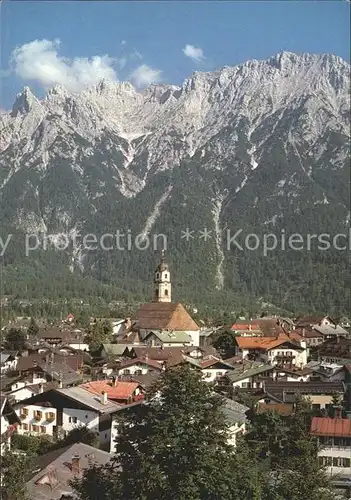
[
  {"x": 338, "y": 427},
  {"x": 264, "y": 343},
  {"x": 123, "y": 390},
  {"x": 246, "y": 326}
]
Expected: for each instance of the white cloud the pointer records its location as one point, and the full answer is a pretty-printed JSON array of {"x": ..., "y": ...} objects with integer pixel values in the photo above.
[
  {"x": 144, "y": 76},
  {"x": 39, "y": 61},
  {"x": 195, "y": 53}
]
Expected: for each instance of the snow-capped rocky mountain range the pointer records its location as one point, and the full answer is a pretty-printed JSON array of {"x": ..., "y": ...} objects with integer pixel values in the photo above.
[{"x": 265, "y": 141}]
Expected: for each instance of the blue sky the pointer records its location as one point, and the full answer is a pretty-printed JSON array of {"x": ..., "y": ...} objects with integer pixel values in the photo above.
[{"x": 146, "y": 41}]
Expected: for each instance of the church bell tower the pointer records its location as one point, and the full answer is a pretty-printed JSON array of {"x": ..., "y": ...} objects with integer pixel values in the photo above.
[{"x": 162, "y": 281}]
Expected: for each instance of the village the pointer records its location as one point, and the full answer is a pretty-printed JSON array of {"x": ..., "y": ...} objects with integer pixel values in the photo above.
[{"x": 62, "y": 378}]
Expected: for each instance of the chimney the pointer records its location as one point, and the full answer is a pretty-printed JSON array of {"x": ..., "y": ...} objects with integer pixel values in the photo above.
[
  {"x": 128, "y": 323},
  {"x": 146, "y": 357},
  {"x": 60, "y": 383},
  {"x": 104, "y": 398},
  {"x": 115, "y": 381},
  {"x": 75, "y": 464},
  {"x": 41, "y": 388}
]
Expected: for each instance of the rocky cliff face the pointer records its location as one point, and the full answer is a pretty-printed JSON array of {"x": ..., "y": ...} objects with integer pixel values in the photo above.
[{"x": 262, "y": 147}]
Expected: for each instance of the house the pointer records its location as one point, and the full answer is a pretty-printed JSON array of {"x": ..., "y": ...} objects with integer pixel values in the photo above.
[
  {"x": 168, "y": 339},
  {"x": 328, "y": 372},
  {"x": 138, "y": 366},
  {"x": 336, "y": 350},
  {"x": 8, "y": 423},
  {"x": 311, "y": 336},
  {"x": 331, "y": 331},
  {"x": 162, "y": 315},
  {"x": 212, "y": 369},
  {"x": 51, "y": 473},
  {"x": 281, "y": 350},
  {"x": 63, "y": 336},
  {"x": 248, "y": 375},
  {"x": 247, "y": 328},
  {"x": 236, "y": 419},
  {"x": 116, "y": 390},
  {"x": 8, "y": 361},
  {"x": 114, "y": 350},
  {"x": 24, "y": 389},
  {"x": 58, "y": 411},
  {"x": 66, "y": 370},
  {"x": 312, "y": 321},
  {"x": 334, "y": 438},
  {"x": 319, "y": 393},
  {"x": 293, "y": 374}
]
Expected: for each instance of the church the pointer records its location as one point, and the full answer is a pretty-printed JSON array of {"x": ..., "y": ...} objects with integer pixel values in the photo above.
[{"x": 162, "y": 322}]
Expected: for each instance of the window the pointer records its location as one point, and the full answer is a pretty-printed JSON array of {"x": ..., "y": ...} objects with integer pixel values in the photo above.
[
  {"x": 35, "y": 428},
  {"x": 166, "y": 291},
  {"x": 42, "y": 429},
  {"x": 126, "y": 371},
  {"x": 138, "y": 372},
  {"x": 25, "y": 427},
  {"x": 37, "y": 415},
  {"x": 24, "y": 413},
  {"x": 166, "y": 276},
  {"x": 72, "y": 420}
]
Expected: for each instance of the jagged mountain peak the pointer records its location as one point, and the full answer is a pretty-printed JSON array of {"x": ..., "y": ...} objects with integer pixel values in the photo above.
[{"x": 24, "y": 103}]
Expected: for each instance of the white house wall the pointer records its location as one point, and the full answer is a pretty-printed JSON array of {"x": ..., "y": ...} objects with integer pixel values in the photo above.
[
  {"x": 72, "y": 418},
  {"x": 30, "y": 420}
]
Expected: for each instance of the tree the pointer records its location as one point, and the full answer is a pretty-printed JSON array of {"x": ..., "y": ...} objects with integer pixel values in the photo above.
[
  {"x": 98, "y": 333},
  {"x": 32, "y": 445},
  {"x": 295, "y": 471},
  {"x": 225, "y": 344},
  {"x": 268, "y": 435},
  {"x": 14, "y": 469},
  {"x": 178, "y": 444},
  {"x": 81, "y": 434},
  {"x": 15, "y": 339},
  {"x": 33, "y": 328}
]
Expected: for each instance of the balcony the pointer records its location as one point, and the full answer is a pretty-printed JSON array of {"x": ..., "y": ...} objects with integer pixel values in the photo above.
[
  {"x": 38, "y": 416},
  {"x": 50, "y": 417}
]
